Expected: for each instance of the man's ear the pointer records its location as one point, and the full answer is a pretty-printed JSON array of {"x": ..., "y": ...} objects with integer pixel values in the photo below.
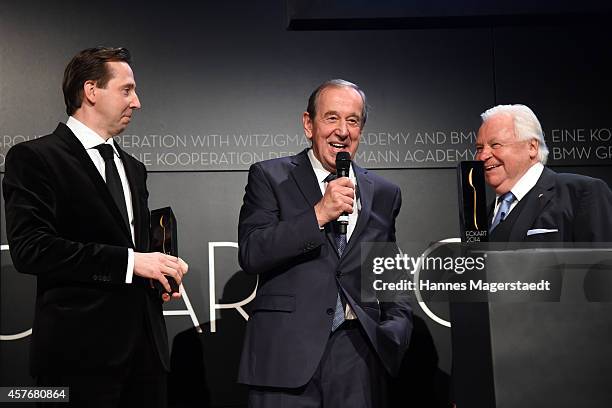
[
  {"x": 89, "y": 92},
  {"x": 534, "y": 146},
  {"x": 307, "y": 122}
]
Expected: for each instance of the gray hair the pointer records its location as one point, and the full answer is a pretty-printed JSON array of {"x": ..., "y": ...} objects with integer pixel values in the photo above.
[
  {"x": 526, "y": 125},
  {"x": 313, "y": 100}
]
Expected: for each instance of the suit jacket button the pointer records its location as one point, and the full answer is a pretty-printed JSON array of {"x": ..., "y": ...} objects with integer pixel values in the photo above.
[
  {"x": 330, "y": 311},
  {"x": 338, "y": 273}
]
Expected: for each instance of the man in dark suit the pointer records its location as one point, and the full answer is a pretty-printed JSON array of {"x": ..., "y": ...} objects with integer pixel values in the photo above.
[
  {"x": 533, "y": 203},
  {"x": 77, "y": 218},
  {"x": 311, "y": 339}
]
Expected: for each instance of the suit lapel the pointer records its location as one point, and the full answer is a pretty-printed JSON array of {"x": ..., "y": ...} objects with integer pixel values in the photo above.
[
  {"x": 536, "y": 200},
  {"x": 86, "y": 164},
  {"x": 304, "y": 177}
]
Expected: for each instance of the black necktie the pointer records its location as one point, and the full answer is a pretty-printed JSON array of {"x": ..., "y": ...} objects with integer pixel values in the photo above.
[{"x": 113, "y": 181}]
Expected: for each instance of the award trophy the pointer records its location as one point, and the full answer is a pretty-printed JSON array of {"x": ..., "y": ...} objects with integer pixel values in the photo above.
[
  {"x": 473, "y": 220},
  {"x": 164, "y": 239}
]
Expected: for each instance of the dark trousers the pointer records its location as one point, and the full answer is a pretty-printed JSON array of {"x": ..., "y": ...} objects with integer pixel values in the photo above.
[
  {"x": 141, "y": 384},
  {"x": 350, "y": 375}
]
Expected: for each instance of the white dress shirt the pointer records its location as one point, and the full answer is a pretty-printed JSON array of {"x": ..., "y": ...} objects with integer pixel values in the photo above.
[
  {"x": 90, "y": 139},
  {"x": 522, "y": 187}
]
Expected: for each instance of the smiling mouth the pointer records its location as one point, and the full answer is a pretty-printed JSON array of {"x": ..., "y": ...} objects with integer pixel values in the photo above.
[
  {"x": 491, "y": 167},
  {"x": 337, "y": 145}
]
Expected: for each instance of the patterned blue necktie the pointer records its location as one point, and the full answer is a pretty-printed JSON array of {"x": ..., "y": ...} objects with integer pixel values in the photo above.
[
  {"x": 340, "y": 246},
  {"x": 339, "y": 312},
  {"x": 506, "y": 201}
]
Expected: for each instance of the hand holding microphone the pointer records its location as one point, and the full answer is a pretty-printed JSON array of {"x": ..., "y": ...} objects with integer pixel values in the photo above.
[{"x": 337, "y": 202}]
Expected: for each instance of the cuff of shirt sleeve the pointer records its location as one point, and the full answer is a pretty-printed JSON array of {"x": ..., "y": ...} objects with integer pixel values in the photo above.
[{"x": 130, "y": 266}]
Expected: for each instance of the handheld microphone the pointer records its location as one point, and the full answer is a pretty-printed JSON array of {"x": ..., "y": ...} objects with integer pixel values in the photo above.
[{"x": 343, "y": 164}]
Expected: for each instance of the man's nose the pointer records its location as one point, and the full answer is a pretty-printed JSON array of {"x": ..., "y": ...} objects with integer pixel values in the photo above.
[
  {"x": 342, "y": 129},
  {"x": 484, "y": 153},
  {"x": 135, "y": 103}
]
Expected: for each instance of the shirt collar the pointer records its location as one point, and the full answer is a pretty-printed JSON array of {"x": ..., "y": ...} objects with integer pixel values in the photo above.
[
  {"x": 526, "y": 183},
  {"x": 320, "y": 172},
  {"x": 88, "y": 138}
]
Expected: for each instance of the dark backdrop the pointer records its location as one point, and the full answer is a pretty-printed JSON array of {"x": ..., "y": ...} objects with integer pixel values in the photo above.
[{"x": 223, "y": 84}]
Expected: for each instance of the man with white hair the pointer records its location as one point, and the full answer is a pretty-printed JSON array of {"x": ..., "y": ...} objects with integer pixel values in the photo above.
[{"x": 536, "y": 203}]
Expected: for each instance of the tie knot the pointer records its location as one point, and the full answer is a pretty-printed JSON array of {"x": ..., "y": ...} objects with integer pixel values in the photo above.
[
  {"x": 508, "y": 197},
  {"x": 330, "y": 177},
  {"x": 106, "y": 151}
]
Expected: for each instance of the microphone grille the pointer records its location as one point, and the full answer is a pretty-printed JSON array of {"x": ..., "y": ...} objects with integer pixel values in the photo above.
[{"x": 343, "y": 156}]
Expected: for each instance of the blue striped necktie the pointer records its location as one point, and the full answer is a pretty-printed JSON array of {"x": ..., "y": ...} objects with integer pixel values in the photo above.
[
  {"x": 341, "y": 242},
  {"x": 339, "y": 312}
]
